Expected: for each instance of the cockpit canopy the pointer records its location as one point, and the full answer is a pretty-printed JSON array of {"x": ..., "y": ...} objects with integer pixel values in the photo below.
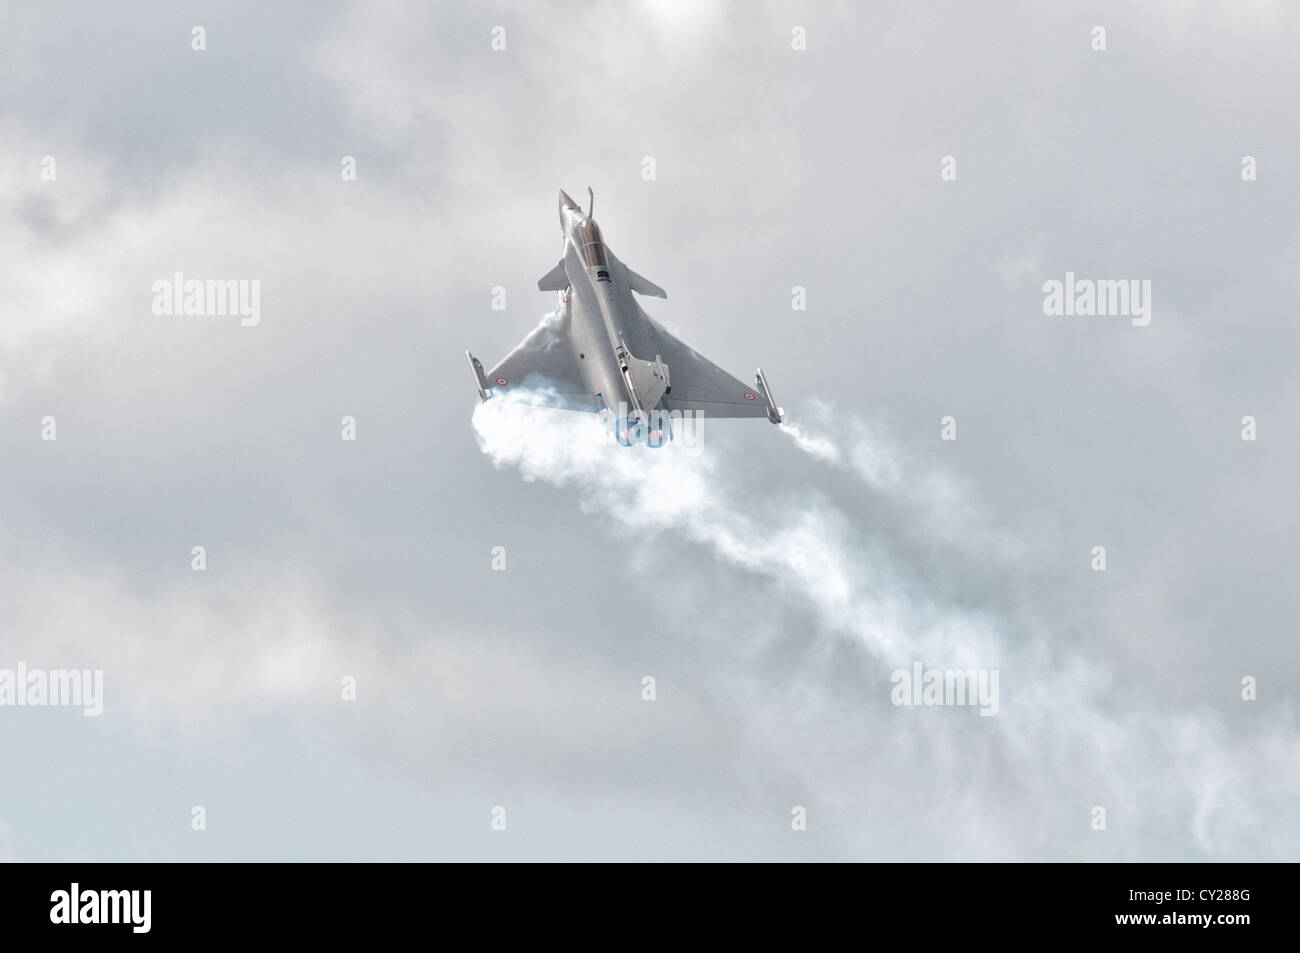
[{"x": 587, "y": 234}]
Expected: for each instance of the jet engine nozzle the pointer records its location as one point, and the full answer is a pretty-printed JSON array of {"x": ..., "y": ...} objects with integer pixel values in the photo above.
[
  {"x": 629, "y": 433},
  {"x": 653, "y": 428}
]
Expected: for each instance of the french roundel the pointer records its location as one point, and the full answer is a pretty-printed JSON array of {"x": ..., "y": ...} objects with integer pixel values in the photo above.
[
  {"x": 502, "y": 381},
  {"x": 748, "y": 396}
]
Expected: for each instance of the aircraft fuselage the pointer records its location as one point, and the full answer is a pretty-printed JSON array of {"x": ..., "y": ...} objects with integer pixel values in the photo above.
[{"x": 606, "y": 322}]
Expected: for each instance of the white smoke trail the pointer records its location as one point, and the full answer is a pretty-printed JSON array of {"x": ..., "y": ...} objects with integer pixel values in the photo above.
[
  {"x": 847, "y": 440},
  {"x": 806, "y": 550},
  {"x": 811, "y": 553},
  {"x": 816, "y": 446},
  {"x": 935, "y": 502}
]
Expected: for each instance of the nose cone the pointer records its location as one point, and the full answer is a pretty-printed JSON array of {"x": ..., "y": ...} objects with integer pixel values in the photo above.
[{"x": 565, "y": 202}]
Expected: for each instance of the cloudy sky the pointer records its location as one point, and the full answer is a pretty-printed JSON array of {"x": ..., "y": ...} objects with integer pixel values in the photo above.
[{"x": 771, "y": 582}]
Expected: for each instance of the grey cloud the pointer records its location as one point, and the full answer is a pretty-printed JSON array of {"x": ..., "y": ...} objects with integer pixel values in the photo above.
[{"x": 775, "y": 169}]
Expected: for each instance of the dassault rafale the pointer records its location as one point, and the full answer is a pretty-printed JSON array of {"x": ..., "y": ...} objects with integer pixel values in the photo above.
[{"x": 600, "y": 352}]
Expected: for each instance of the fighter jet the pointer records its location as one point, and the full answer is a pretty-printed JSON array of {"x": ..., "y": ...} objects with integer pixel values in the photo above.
[{"x": 599, "y": 352}]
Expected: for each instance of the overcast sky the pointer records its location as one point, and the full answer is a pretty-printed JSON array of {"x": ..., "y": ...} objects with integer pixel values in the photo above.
[{"x": 769, "y": 585}]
